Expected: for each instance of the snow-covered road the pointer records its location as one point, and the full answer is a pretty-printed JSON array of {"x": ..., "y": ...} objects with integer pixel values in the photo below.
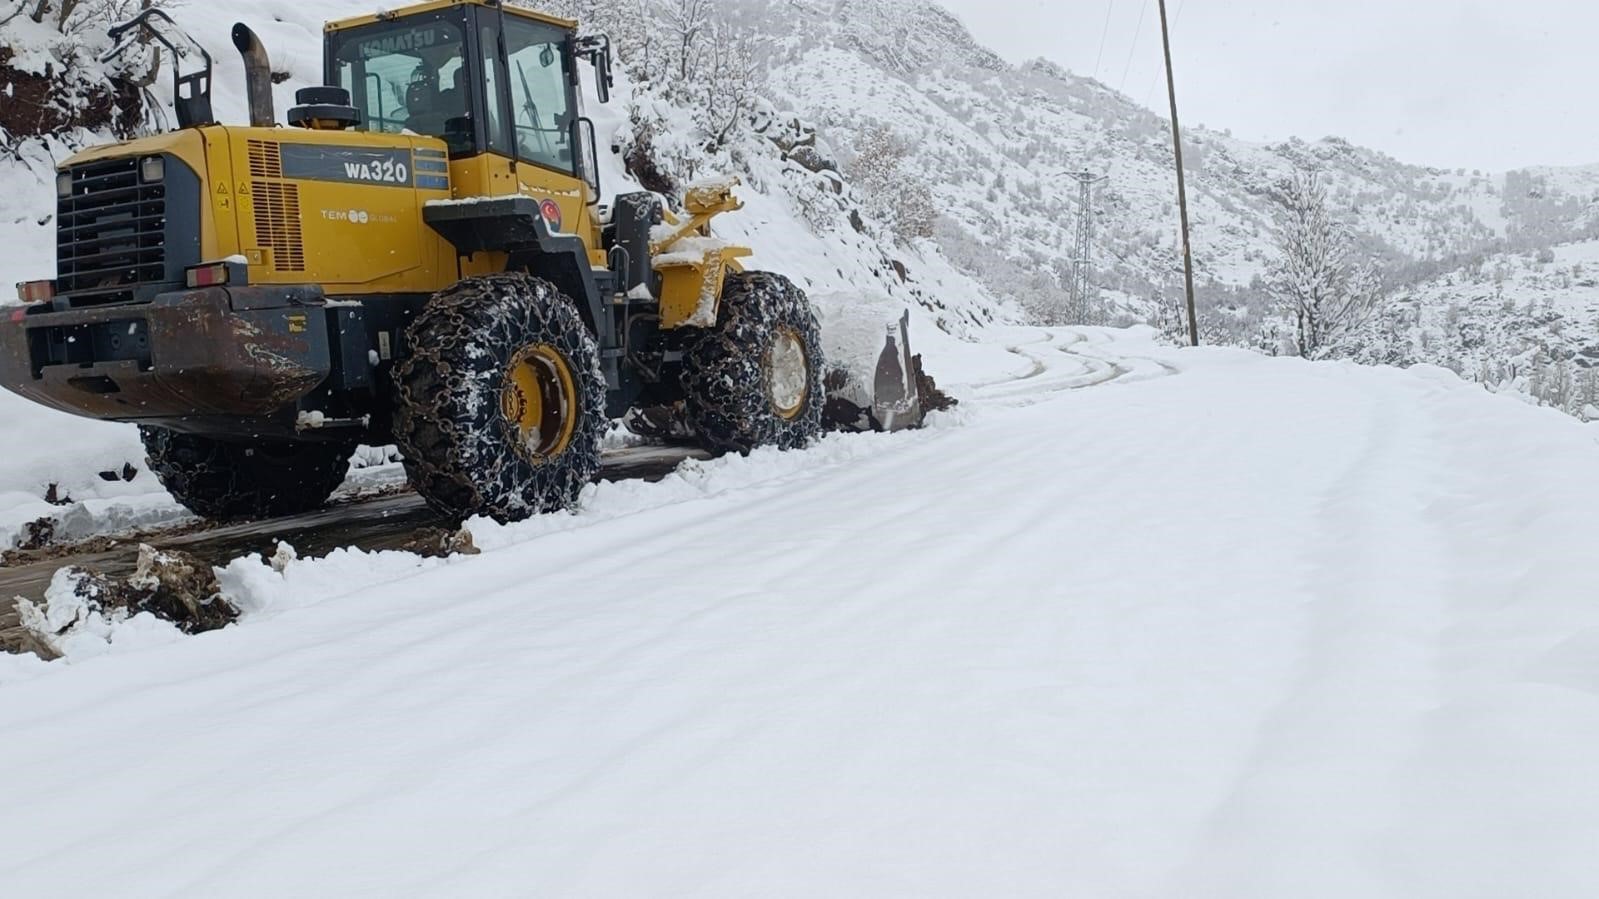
[{"x": 1259, "y": 628}]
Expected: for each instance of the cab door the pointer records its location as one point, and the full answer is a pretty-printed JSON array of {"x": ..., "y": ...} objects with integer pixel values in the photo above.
[{"x": 533, "y": 118}]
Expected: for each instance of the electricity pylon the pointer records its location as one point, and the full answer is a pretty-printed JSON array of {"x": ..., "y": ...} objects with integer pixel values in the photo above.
[{"x": 1084, "y": 291}]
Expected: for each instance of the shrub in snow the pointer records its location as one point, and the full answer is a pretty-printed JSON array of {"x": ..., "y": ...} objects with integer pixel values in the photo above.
[
  {"x": 690, "y": 65},
  {"x": 51, "y": 78},
  {"x": 700, "y": 104},
  {"x": 892, "y": 192}
]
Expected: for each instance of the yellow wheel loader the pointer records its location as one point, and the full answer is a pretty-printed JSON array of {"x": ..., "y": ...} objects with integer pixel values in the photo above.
[{"x": 420, "y": 257}]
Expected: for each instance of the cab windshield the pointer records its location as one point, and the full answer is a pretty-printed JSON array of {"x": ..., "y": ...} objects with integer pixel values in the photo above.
[
  {"x": 408, "y": 75},
  {"x": 541, "y": 100}
]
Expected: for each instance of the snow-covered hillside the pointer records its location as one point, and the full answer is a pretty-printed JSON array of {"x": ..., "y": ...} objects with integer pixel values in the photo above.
[
  {"x": 1526, "y": 323},
  {"x": 1218, "y": 625},
  {"x": 992, "y": 140},
  {"x": 989, "y": 141}
]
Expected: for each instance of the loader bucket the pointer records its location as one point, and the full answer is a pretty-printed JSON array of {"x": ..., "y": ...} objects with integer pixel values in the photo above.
[
  {"x": 895, "y": 395},
  {"x": 896, "y": 401}
]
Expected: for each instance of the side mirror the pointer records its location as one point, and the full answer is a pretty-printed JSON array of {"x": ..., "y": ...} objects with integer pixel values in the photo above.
[
  {"x": 596, "y": 48},
  {"x": 602, "y": 76}
]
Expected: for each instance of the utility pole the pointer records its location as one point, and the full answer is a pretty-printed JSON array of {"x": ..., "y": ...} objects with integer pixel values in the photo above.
[
  {"x": 1083, "y": 290},
  {"x": 1182, "y": 183}
]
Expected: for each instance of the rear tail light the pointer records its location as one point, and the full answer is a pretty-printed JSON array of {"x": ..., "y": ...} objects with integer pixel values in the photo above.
[
  {"x": 209, "y": 275},
  {"x": 36, "y": 291}
]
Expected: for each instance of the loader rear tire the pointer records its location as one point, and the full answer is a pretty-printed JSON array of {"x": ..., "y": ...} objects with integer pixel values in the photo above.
[
  {"x": 225, "y": 480},
  {"x": 756, "y": 378},
  {"x": 500, "y": 406}
]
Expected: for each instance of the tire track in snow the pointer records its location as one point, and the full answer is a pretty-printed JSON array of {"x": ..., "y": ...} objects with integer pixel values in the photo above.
[
  {"x": 1064, "y": 361},
  {"x": 1328, "y": 755},
  {"x": 1504, "y": 761},
  {"x": 1061, "y": 361}
]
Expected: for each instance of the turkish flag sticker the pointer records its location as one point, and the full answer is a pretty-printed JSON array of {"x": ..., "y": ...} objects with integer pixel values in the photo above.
[{"x": 552, "y": 214}]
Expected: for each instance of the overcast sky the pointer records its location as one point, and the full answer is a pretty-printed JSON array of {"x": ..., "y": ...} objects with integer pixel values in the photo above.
[{"x": 1465, "y": 83}]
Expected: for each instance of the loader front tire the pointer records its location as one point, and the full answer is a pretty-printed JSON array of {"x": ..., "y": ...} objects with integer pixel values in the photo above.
[
  {"x": 500, "y": 405},
  {"x": 224, "y": 480},
  {"x": 755, "y": 379}
]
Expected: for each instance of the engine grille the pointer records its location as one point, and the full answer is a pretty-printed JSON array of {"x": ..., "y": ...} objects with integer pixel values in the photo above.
[
  {"x": 277, "y": 208},
  {"x": 111, "y": 233},
  {"x": 266, "y": 159},
  {"x": 277, "y": 224}
]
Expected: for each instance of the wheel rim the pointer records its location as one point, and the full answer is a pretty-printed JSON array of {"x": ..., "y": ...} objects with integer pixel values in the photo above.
[
  {"x": 539, "y": 400},
  {"x": 788, "y": 373}
]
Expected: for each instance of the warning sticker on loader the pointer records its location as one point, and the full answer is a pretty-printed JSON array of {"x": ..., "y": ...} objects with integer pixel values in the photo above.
[{"x": 315, "y": 162}]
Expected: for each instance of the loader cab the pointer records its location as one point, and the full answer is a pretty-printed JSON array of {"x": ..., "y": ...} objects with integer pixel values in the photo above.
[{"x": 485, "y": 78}]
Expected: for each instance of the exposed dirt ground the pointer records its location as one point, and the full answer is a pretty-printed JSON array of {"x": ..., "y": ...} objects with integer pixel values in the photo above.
[{"x": 387, "y": 520}]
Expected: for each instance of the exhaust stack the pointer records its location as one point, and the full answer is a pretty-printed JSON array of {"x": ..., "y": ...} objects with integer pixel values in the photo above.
[{"x": 257, "y": 76}]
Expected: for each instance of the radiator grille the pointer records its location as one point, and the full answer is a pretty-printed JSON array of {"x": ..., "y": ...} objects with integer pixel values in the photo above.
[
  {"x": 266, "y": 160},
  {"x": 277, "y": 208},
  {"x": 110, "y": 233},
  {"x": 277, "y": 224}
]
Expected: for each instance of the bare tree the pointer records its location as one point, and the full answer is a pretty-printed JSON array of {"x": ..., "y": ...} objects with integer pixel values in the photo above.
[
  {"x": 688, "y": 21},
  {"x": 10, "y": 9},
  {"x": 729, "y": 84},
  {"x": 77, "y": 16},
  {"x": 1316, "y": 278},
  {"x": 62, "y": 13}
]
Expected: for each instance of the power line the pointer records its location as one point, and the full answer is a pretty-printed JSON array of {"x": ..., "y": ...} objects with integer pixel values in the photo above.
[
  {"x": 1137, "y": 32},
  {"x": 1110, "y": 7}
]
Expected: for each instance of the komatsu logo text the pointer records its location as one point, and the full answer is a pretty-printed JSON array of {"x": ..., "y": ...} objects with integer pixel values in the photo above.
[{"x": 406, "y": 42}]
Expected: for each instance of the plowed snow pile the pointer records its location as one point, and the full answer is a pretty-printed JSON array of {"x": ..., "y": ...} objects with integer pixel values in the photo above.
[{"x": 1260, "y": 628}]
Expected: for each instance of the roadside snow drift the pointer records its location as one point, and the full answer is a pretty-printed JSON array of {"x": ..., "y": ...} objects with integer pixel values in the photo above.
[{"x": 1139, "y": 622}]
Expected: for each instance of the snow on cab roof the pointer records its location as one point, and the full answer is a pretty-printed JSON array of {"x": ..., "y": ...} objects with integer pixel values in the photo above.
[{"x": 385, "y": 14}]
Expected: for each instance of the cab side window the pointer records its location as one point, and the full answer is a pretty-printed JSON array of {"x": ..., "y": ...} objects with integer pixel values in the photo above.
[{"x": 493, "y": 97}]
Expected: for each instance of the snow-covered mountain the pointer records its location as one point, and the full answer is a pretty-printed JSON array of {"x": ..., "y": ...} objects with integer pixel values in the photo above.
[{"x": 991, "y": 140}]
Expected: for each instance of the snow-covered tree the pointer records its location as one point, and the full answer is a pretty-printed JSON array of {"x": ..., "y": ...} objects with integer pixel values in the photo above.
[
  {"x": 892, "y": 194},
  {"x": 53, "y": 85},
  {"x": 1316, "y": 279},
  {"x": 688, "y": 22},
  {"x": 76, "y": 17}
]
